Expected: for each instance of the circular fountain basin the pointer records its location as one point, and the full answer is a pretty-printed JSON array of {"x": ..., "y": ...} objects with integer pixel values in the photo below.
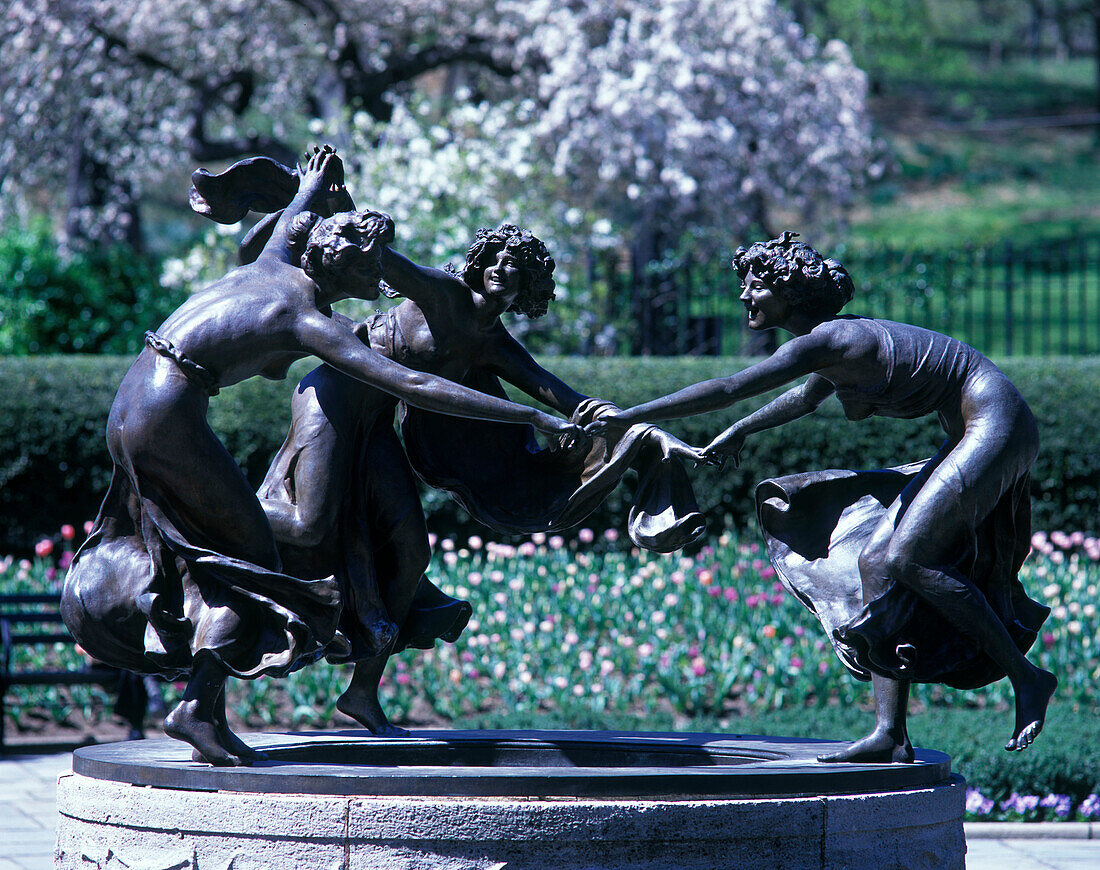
[{"x": 467, "y": 800}]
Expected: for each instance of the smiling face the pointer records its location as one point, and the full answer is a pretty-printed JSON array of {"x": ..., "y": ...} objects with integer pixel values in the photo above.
[
  {"x": 767, "y": 307},
  {"x": 503, "y": 279}
]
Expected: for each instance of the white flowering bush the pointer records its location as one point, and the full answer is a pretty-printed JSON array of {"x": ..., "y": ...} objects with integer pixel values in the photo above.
[
  {"x": 687, "y": 115},
  {"x": 441, "y": 175},
  {"x": 698, "y": 115}
]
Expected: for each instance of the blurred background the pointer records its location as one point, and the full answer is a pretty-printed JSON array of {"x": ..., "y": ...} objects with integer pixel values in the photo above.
[{"x": 944, "y": 150}]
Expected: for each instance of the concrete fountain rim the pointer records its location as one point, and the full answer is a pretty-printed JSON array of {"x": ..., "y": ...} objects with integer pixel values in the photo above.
[{"x": 687, "y": 765}]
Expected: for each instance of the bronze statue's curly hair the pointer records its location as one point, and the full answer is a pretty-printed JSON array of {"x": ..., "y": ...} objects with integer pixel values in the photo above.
[
  {"x": 806, "y": 279},
  {"x": 330, "y": 244},
  {"x": 530, "y": 253}
]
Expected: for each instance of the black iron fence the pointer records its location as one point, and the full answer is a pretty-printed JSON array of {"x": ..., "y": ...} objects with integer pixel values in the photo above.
[{"x": 1004, "y": 300}]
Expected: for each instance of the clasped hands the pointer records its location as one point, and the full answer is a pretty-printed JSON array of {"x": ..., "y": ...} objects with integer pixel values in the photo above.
[{"x": 728, "y": 444}]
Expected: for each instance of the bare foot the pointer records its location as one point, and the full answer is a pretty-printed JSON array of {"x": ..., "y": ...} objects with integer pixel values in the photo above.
[
  {"x": 1032, "y": 698},
  {"x": 362, "y": 706},
  {"x": 237, "y": 746},
  {"x": 184, "y": 724},
  {"x": 876, "y": 747},
  {"x": 391, "y": 730},
  {"x": 230, "y": 740}
]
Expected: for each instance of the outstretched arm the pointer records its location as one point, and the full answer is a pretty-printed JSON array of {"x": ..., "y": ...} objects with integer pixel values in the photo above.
[
  {"x": 422, "y": 284},
  {"x": 796, "y": 402},
  {"x": 339, "y": 347},
  {"x": 800, "y": 356},
  {"x": 511, "y": 361}
]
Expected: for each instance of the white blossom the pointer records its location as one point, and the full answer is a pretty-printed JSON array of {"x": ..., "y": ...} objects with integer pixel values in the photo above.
[{"x": 697, "y": 111}]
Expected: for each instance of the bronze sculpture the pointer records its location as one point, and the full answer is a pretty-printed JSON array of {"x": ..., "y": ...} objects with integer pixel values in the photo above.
[
  {"x": 913, "y": 571},
  {"x": 181, "y": 573},
  {"x": 340, "y": 493}
]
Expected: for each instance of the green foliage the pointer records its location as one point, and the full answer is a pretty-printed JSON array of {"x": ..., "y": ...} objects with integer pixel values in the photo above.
[
  {"x": 971, "y": 165},
  {"x": 887, "y": 39},
  {"x": 54, "y": 465},
  {"x": 1064, "y": 760},
  {"x": 956, "y": 186},
  {"x": 96, "y": 301}
]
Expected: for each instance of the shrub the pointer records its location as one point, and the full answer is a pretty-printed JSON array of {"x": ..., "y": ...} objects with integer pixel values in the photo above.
[
  {"x": 93, "y": 301},
  {"x": 54, "y": 465}
]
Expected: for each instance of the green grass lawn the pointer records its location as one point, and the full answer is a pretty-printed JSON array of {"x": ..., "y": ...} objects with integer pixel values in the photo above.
[{"x": 959, "y": 180}]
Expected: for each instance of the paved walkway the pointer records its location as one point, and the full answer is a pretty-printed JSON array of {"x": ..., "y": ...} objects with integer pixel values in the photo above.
[{"x": 28, "y": 817}]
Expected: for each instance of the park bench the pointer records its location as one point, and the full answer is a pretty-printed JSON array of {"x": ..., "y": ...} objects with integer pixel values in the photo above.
[{"x": 28, "y": 620}]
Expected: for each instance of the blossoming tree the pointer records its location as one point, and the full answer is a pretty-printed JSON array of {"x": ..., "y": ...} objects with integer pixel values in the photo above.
[
  {"x": 699, "y": 115},
  {"x": 677, "y": 114},
  {"x": 113, "y": 93}
]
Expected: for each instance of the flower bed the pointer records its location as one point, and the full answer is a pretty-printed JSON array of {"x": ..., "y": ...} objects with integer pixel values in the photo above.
[
  {"x": 591, "y": 633},
  {"x": 1031, "y": 808}
]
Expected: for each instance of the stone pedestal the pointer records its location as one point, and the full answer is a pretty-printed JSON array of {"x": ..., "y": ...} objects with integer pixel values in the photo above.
[{"x": 515, "y": 800}]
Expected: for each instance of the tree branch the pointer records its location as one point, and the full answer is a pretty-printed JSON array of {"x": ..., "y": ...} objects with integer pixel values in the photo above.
[
  {"x": 144, "y": 57},
  {"x": 203, "y": 149},
  {"x": 369, "y": 89}
]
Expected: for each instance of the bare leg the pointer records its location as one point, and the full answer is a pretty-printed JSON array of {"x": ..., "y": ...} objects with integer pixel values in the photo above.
[
  {"x": 194, "y": 719},
  {"x": 398, "y": 554},
  {"x": 966, "y": 609},
  {"x": 889, "y": 742},
  {"x": 920, "y": 548},
  {"x": 360, "y": 700},
  {"x": 943, "y": 508}
]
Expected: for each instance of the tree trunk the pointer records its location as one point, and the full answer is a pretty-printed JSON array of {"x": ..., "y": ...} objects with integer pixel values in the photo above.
[{"x": 91, "y": 187}]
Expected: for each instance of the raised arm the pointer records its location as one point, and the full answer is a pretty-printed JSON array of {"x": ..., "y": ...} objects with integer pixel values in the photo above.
[
  {"x": 338, "y": 346},
  {"x": 796, "y": 402},
  {"x": 323, "y": 170},
  {"x": 511, "y": 361}
]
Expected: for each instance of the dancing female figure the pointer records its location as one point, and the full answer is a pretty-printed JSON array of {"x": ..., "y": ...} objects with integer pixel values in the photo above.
[
  {"x": 340, "y": 493},
  {"x": 181, "y": 574},
  {"x": 934, "y": 569}
]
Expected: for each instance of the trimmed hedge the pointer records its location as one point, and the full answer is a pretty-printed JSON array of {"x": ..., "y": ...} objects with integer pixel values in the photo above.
[{"x": 54, "y": 466}]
